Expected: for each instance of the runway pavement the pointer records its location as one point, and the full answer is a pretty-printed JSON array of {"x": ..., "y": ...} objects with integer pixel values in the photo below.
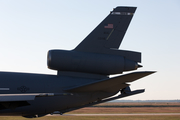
[{"x": 130, "y": 114}]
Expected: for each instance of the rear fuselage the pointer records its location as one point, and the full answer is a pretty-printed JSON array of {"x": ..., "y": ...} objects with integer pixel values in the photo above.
[{"x": 23, "y": 83}]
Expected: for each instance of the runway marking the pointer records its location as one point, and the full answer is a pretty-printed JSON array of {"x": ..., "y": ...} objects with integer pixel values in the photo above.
[{"x": 125, "y": 114}]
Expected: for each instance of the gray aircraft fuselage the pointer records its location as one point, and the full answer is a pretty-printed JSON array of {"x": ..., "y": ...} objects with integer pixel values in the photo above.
[
  {"x": 82, "y": 74},
  {"x": 20, "y": 83}
]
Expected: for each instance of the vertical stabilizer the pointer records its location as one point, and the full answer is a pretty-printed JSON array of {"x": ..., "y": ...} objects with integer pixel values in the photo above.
[{"x": 109, "y": 33}]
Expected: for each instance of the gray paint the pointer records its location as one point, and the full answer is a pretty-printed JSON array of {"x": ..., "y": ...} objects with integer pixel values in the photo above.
[
  {"x": 82, "y": 74},
  {"x": 89, "y": 62}
]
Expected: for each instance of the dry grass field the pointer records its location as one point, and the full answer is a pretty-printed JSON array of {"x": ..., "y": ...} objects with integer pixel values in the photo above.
[
  {"x": 114, "y": 108},
  {"x": 96, "y": 118},
  {"x": 130, "y": 108},
  {"x": 126, "y": 110}
]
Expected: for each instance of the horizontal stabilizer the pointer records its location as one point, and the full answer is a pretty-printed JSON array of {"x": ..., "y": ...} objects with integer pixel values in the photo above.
[{"x": 110, "y": 84}]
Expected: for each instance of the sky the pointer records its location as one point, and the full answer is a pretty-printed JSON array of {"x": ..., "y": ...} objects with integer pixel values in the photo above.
[{"x": 29, "y": 28}]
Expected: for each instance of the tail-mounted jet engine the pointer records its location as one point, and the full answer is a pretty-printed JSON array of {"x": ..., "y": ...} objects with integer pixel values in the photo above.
[{"x": 96, "y": 63}]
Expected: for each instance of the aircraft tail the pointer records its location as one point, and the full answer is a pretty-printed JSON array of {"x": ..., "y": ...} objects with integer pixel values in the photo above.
[
  {"x": 109, "y": 33},
  {"x": 109, "y": 84}
]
